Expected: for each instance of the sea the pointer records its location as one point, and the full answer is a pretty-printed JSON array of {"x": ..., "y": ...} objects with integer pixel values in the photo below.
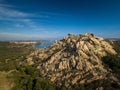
[{"x": 44, "y": 44}]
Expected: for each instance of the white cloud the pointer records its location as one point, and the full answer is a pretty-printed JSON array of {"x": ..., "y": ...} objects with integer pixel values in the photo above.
[
  {"x": 22, "y": 19},
  {"x": 16, "y": 36},
  {"x": 16, "y": 16},
  {"x": 19, "y": 25},
  {"x": 8, "y": 13},
  {"x": 11, "y": 13},
  {"x": 55, "y": 14}
]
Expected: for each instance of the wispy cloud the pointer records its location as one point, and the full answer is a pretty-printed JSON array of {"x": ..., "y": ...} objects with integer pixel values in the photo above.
[
  {"x": 55, "y": 14},
  {"x": 25, "y": 21},
  {"x": 19, "y": 25},
  {"x": 16, "y": 36},
  {"x": 8, "y": 13}
]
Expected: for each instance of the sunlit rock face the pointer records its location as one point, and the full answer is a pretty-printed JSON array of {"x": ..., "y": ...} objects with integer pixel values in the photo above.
[{"x": 73, "y": 60}]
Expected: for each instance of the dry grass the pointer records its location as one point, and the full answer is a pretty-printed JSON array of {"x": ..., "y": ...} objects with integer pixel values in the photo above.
[{"x": 5, "y": 82}]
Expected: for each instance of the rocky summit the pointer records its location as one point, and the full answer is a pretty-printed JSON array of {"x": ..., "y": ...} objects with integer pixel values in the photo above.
[{"x": 73, "y": 60}]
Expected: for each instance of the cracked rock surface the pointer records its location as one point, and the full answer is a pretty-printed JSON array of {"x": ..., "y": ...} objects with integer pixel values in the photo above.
[{"x": 73, "y": 59}]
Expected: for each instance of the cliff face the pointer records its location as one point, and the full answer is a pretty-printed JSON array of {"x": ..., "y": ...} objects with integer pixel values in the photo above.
[{"x": 73, "y": 60}]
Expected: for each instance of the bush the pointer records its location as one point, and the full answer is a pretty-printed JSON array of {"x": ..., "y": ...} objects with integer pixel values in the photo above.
[
  {"x": 27, "y": 78},
  {"x": 113, "y": 62}
]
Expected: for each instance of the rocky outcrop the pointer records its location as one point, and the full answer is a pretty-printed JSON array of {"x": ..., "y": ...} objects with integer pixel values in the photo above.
[{"x": 73, "y": 60}]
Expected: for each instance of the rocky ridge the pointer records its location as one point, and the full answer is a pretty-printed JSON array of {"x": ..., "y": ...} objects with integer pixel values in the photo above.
[{"x": 73, "y": 60}]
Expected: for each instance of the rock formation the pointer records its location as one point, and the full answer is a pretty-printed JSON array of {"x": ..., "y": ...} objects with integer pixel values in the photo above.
[{"x": 73, "y": 60}]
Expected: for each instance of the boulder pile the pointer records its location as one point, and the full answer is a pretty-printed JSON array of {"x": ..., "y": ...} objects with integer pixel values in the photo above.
[{"x": 73, "y": 59}]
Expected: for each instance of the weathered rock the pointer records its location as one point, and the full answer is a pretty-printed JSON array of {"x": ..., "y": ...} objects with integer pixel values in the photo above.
[{"x": 74, "y": 59}]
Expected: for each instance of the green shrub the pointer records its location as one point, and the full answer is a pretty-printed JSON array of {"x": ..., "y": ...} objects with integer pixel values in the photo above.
[
  {"x": 27, "y": 78},
  {"x": 113, "y": 62}
]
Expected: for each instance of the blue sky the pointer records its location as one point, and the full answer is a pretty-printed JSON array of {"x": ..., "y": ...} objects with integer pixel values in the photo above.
[{"x": 53, "y": 19}]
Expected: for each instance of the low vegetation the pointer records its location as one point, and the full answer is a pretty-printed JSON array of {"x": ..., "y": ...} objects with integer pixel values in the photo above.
[
  {"x": 112, "y": 62},
  {"x": 11, "y": 54},
  {"x": 23, "y": 76},
  {"x": 27, "y": 78},
  {"x": 20, "y": 76}
]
